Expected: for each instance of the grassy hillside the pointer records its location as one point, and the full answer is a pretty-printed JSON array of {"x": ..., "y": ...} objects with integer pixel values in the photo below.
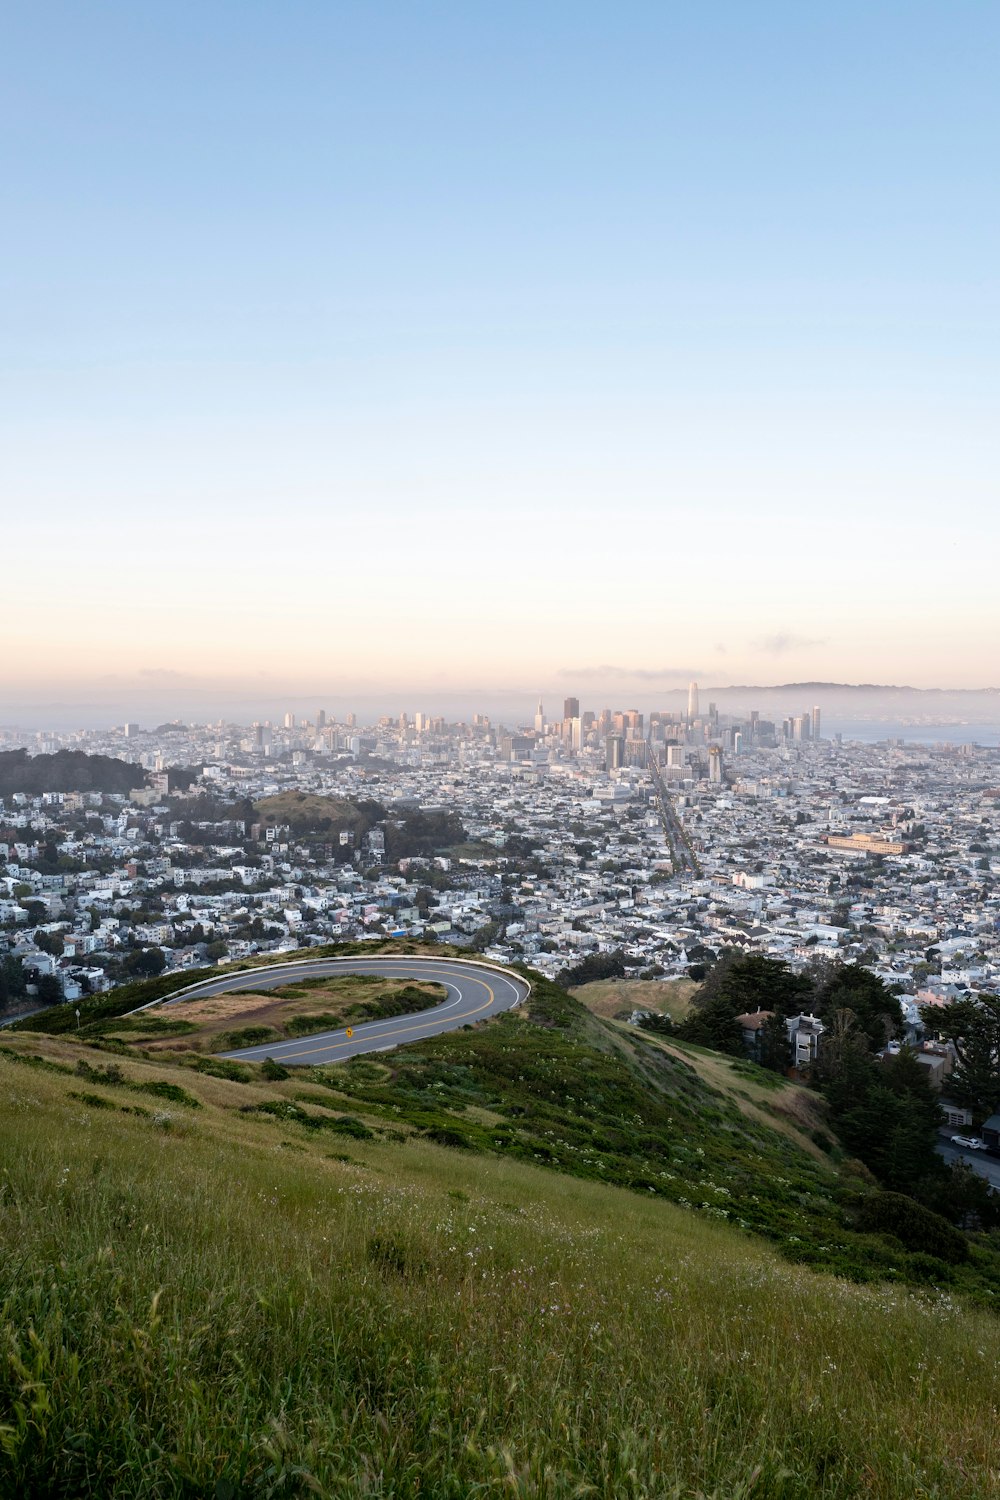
[
  {"x": 309, "y": 813},
  {"x": 410, "y": 1277},
  {"x": 619, "y": 997}
]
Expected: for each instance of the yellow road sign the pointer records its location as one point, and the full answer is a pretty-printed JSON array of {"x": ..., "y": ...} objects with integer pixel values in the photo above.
[{"x": 348, "y": 1032}]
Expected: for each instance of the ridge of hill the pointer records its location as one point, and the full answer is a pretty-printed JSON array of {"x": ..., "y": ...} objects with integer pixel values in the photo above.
[
  {"x": 528, "y": 1257},
  {"x": 66, "y": 771}
]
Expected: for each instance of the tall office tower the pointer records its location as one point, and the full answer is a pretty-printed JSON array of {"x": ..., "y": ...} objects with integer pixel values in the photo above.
[
  {"x": 614, "y": 752},
  {"x": 738, "y": 742},
  {"x": 604, "y": 721},
  {"x": 692, "y": 702},
  {"x": 289, "y": 721},
  {"x": 420, "y": 722},
  {"x": 321, "y": 718},
  {"x": 755, "y": 724},
  {"x": 576, "y": 732},
  {"x": 571, "y": 708},
  {"x": 539, "y": 718},
  {"x": 351, "y": 720},
  {"x": 714, "y": 763},
  {"x": 675, "y": 755},
  {"x": 633, "y": 723},
  {"x": 815, "y": 719}
]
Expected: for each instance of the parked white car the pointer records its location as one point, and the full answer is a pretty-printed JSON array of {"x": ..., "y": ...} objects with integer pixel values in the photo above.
[{"x": 970, "y": 1142}]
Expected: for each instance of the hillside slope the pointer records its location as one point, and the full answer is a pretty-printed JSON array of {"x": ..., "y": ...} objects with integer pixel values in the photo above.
[{"x": 409, "y": 1277}]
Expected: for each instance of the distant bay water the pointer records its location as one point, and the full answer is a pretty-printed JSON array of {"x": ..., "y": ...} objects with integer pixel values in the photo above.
[{"x": 871, "y": 731}]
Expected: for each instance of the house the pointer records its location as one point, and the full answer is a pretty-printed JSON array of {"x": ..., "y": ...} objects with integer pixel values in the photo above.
[
  {"x": 804, "y": 1033},
  {"x": 938, "y": 1059},
  {"x": 751, "y": 1026},
  {"x": 991, "y": 1132}
]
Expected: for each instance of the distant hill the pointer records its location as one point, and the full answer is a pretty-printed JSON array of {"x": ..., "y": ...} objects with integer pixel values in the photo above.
[
  {"x": 307, "y": 814},
  {"x": 842, "y": 687},
  {"x": 66, "y": 771}
]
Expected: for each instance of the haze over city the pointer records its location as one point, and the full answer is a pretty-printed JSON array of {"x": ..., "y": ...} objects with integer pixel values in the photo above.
[{"x": 476, "y": 353}]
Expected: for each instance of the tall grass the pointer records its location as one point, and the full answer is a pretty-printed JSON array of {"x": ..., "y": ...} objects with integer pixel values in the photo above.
[{"x": 205, "y": 1304}]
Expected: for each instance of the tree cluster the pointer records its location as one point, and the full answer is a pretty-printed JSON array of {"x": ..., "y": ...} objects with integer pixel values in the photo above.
[
  {"x": 422, "y": 833},
  {"x": 883, "y": 1107},
  {"x": 66, "y": 771},
  {"x": 594, "y": 966}
]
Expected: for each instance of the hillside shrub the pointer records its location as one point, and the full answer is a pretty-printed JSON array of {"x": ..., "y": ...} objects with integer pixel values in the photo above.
[{"x": 915, "y": 1227}]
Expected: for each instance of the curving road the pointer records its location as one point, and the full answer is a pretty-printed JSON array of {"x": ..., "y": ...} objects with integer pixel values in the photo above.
[{"x": 474, "y": 993}]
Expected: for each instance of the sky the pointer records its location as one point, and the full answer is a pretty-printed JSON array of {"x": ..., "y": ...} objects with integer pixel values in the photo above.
[{"x": 352, "y": 348}]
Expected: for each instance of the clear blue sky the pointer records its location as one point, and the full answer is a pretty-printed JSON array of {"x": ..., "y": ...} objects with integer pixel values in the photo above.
[{"x": 656, "y": 335}]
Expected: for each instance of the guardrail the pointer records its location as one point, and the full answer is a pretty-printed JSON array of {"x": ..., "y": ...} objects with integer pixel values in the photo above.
[{"x": 192, "y": 990}]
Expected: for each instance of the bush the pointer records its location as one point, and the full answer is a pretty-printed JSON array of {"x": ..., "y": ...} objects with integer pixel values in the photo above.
[
  {"x": 220, "y": 1067},
  {"x": 914, "y": 1226},
  {"x": 248, "y": 1036},
  {"x": 272, "y": 1071}
]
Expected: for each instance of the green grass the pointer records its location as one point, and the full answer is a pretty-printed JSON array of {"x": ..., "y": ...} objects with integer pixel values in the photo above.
[{"x": 301, "y": 1286}]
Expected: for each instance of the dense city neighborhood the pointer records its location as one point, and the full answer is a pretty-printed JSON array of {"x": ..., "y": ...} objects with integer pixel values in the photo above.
[{"x": 662, "y": 842}]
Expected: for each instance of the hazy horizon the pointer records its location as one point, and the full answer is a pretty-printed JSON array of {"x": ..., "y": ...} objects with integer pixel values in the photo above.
[
  {"x": 844, "y": 707},
  {"x": 359, "y": 348}
]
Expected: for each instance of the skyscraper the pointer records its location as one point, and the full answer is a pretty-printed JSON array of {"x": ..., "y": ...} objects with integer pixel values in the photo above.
[
  {"x": 539, "y": 718},
  {"x": 714, "y": 763},
  {"x": 571, "y": 708},
  {"x": 614, "y": 752},
  {"x": 692, "y": 702},
  {"x": 815, "y": 719}
]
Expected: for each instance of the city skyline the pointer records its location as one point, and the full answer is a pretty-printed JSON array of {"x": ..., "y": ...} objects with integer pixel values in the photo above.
[{"x": 498, "y": 352}]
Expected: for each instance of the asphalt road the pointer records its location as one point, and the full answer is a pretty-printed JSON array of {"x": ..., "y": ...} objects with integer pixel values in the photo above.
[
  {"x": 474, "y": 993},
  {"x": 983, "y": 1163}
]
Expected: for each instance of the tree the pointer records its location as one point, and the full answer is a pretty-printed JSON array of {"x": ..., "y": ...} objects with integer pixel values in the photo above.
[
  {"x": 424, "y": 899},
  {"x": 594, "y": 966},
  {"x": 973, "y": 1027},
  {"x": 13, "y": 982},
  {"x": 714, "y": 1025},
  {"x": 658, "y": 1022},
  {"x": 751, "y": 982},
  {"x": 854, "y": 988},
  {"x": 485, "y": 936},
  {"x": 48, "y": 989},
  {"x": 843, "y": 1065},
  {"x": 49, "y": 942},
  {"x": 143, "y": 963}
]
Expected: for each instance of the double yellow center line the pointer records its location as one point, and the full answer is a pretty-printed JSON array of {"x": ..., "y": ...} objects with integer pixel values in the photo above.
[{"x": 332, "y": 1046}]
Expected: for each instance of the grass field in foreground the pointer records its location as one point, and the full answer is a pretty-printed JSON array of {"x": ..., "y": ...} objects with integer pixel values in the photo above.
[{"x": 201, "y": 1301}]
